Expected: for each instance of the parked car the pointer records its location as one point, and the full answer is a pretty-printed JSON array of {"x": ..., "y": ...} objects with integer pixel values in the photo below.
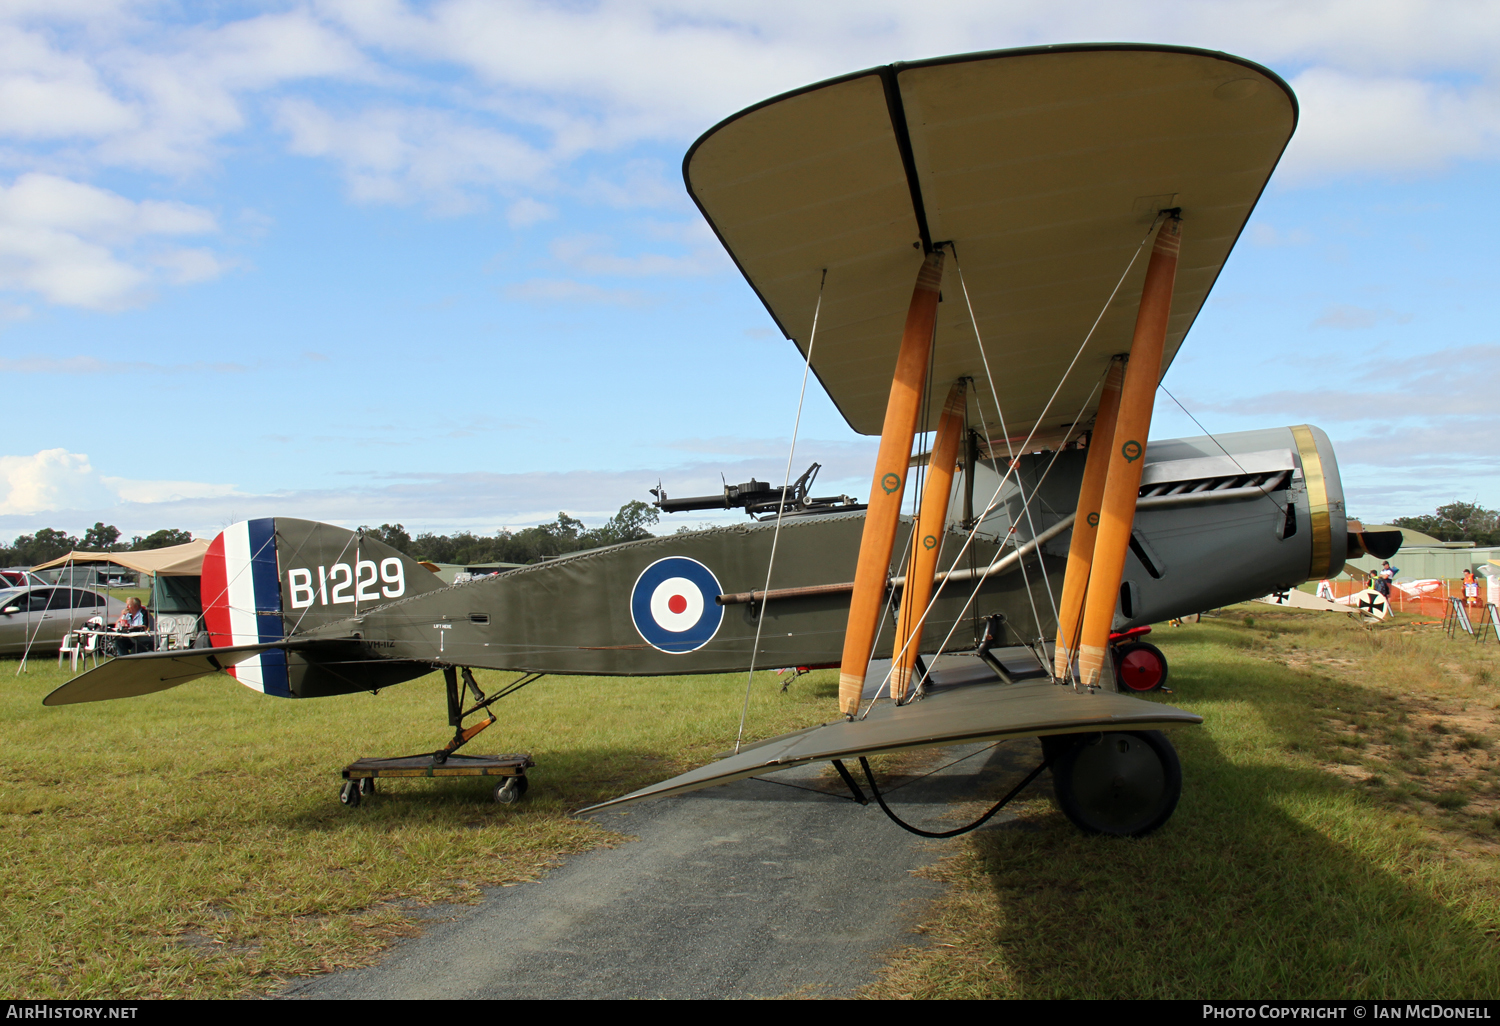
[{"x": 38, "y": 618}]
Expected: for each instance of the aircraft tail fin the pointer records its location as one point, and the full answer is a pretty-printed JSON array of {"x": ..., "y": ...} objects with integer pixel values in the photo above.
[{"x": 275, "y": 578}]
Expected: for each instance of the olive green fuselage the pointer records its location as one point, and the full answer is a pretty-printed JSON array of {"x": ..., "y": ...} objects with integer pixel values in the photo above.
[{"x": 574, "y": 614}]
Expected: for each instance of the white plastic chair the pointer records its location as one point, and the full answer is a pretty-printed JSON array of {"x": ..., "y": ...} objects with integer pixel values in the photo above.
[
  {"x": 70, "y": 647},
  {"x": 91, "y": 648}
]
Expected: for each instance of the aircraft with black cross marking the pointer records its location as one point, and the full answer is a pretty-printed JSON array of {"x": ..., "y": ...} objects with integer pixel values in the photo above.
[{"x": 989, "y": 261}]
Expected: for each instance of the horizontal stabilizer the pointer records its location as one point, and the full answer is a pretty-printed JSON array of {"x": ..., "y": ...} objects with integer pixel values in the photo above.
[
  {"x": 985, "y": 712},
  {"x": 150, "y": 672}
]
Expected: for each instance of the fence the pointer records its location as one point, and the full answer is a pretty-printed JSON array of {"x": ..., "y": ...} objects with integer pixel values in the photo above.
[{"x": 1433, "y": 602}]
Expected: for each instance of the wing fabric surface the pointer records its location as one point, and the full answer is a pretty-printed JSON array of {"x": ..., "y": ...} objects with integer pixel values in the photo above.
[
  {"x": 1044, "y": 167},
  {"x": 984, "y": 712}
]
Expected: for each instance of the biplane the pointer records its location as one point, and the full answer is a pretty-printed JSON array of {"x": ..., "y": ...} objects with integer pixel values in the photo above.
[{"x": 996, "y": 255}]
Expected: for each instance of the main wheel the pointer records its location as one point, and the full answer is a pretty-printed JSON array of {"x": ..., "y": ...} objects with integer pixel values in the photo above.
[
  {"x": 510, "y": 792},
  {"x": 367, "y": 786},
  {"x": 1140, "y": 667},
  {"x": 1125, "y": 784},
  {"x": 349, "y": 793}
]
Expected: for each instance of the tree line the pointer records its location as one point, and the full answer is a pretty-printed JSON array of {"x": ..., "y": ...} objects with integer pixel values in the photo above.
[
  {"x": 1457, "y": 521},
  {"x": 49, "y": 543},
  {"x": 528, "y": 545}
]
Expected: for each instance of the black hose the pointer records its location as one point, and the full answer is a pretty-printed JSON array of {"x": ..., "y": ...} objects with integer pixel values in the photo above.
[{"x": 869, "y": 776}]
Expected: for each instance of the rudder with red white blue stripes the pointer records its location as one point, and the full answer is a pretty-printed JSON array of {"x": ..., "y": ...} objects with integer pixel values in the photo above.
[{"x": 241, "y": 592}]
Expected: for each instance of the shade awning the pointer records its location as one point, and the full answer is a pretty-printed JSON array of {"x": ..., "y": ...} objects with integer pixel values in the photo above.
[
  {"x": 1043, "y": 167},
  {"x": 172, "y": 561}
]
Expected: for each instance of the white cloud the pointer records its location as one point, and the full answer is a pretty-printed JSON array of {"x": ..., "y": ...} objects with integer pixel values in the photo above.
[
  {"x": 1262, "y": 234},
  {"x": 55, "y": 480},
  {"x": 563, "y": 290},
  {"x": 591, "y": 254},
  {"x": 51, "y": 479},
  {"x": 454, "y": 96},
  {"x": 1409, "y": 433},
  {"x": 46, "y": 94},
  {"x": 188, "y": 83},
  {"x": 483, "y": 502},
  {"x": 1380, "y": 125},
  {"x": 640, "y": 183},
  {"x": 614, "y": 71},
  {"x": 94, "y": 365},
  {"x": 78, "y": 245},
  {"x": 525, "y": 212},
  {"x": 398, "y": 155},
  {"x": 186, "y": 266},
  {"x": 1350, "y": 318},
  {"x": 165, "y": 491}
]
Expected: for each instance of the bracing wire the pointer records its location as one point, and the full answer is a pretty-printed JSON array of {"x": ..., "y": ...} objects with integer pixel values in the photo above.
[
  {"x": 1025, "y": 501},
  {"x": 760, "y": 621},
  {"x": 992, "y": 505},
  {"x": 980, "y": 579},
  {"x": 1011, "y": 468},
  {"x": 1264, "y": 490},
  {"x": 1005, "y": 433}
]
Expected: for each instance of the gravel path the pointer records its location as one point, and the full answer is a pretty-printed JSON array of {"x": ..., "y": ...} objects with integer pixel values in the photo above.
[{"x": 746, "y": 890}]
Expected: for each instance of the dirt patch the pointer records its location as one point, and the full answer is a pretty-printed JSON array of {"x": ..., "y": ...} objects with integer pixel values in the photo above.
[{"x": 1416, "y": 721}]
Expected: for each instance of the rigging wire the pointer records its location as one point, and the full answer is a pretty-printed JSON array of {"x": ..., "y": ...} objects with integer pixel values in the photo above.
[
  {"x": 870, "y": 778},
  {"x": 1009, "y": 451},
  {"x": 979, "y": 582},
  {"x": 1025, "y": 504},
  {"x": 354, "y": 538},
  {"x": 760, "y": 621},
  {"x": 992, "y": 505},
  {"x": 947, "y": 765},
  {"x": 1264, "y": 490}
]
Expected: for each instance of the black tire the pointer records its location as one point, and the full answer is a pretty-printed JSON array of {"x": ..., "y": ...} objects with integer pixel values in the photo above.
[
  {"x": 508, "y": 793},
  {"x": 1123, "y": 784},
  {"x": 1140, "y": 667},
  {"x": 367, "y": 786},
  {"x": 349, "y": 793}
]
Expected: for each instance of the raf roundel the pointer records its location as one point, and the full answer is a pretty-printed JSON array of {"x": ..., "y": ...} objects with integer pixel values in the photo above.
[{"x": 673, "y": 605}]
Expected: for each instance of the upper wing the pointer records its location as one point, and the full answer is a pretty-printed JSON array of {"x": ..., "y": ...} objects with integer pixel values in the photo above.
[{"x": 1045, "y": 167}]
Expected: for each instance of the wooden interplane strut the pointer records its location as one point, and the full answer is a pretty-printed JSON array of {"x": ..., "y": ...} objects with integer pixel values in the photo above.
[
  {"x": 927, "y": 543},
  {"x": 908, "y": 385},
  {"x": 1127, "y": 451},
  {"x": 1086, "y": 525}
]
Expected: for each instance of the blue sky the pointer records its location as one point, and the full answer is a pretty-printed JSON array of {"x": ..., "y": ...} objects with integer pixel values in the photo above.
[{"x": 433, "y": 263}]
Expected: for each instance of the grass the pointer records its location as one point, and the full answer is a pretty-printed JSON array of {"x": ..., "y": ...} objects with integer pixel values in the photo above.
[
  {"x": 191, "y": 844},
  {"x": 1336, "y": 837}
]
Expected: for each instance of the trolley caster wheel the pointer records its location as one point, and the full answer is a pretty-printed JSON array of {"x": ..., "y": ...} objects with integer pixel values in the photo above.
[
  {"x": 1124, "y": 784},
  {"x": 349, "y": 793},
  {"x": 367, "y": 786},
  {"x": 1140, "y": 667},
  {"x": 511, "y": 791}
]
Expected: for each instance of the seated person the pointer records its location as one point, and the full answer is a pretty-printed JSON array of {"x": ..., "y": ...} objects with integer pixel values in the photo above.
[{"x": 133, "y": 620}]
